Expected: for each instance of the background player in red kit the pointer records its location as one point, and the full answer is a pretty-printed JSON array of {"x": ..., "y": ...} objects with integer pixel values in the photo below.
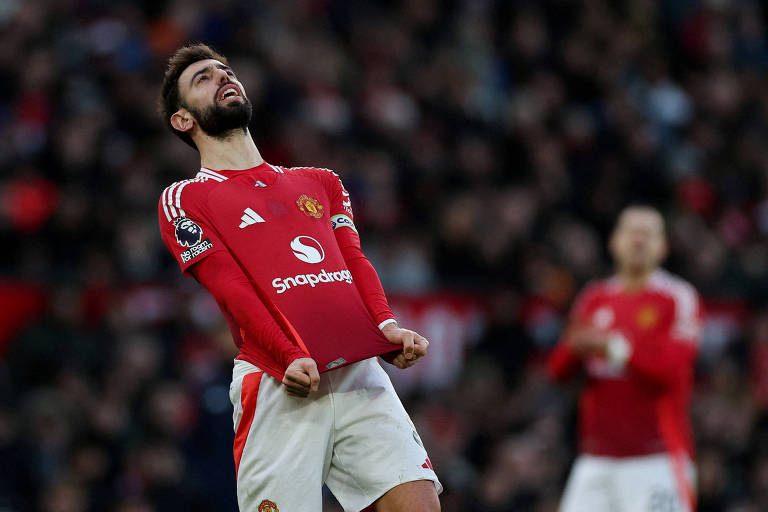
[
  {"x": 279, "y": 251},
  {"x": 635, "y": 336}
]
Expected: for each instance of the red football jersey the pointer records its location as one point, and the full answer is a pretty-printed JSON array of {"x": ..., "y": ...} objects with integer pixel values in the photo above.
[
  {"x": 639, "y": 407},
  {"x": 278, "y": 225}
]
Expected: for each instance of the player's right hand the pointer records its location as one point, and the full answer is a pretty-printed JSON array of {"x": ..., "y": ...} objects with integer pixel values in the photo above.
[{"x": 301, "y": 377}]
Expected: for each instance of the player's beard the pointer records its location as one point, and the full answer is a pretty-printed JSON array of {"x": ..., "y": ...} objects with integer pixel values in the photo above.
[{"x": 219, "y": 121}]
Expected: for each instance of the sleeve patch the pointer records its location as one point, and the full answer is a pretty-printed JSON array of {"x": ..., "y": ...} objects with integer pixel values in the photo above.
[
  {"x": 188, "y": 233},
  {"x": 340, "y": 221},
  {"x": 196, "y": 250}
]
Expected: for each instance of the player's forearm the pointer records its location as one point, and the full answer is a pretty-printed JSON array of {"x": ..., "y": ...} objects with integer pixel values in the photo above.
[
  {"x": 663, "y": 364},
  {"x": 368, "y": 284},
  {"x": 231, "y": 289},
  {"x": 365, "y": 277},
  {"x": 563, "y": 363},
  {"x": 255, "y": 320}
]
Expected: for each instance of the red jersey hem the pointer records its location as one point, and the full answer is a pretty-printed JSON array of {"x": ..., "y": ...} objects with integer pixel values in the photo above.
[
  {"x": 623, "y": 454},
  {"x": 267, "y": 367}
]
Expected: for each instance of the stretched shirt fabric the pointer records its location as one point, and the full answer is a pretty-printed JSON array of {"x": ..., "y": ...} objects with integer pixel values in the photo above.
[
  {"x": 278, "y": 250},
  {"x": 639, "y": 406}
]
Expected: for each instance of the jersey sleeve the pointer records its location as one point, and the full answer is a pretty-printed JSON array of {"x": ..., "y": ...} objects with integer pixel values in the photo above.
[
  {"x": 365, "y": 277},
  {"x": 184, "y": 229},
  {"x": 671, "y": 357},
  {"x": 341, "y": 204},
  {"x": 223, "y": 278}
]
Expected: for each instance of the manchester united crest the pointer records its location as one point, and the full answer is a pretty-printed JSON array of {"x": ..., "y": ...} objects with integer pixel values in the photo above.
[
  {"x": 310, "y": 206},
  {"x": 268, "y": 506},
  {"x": 647, "y": 317}
]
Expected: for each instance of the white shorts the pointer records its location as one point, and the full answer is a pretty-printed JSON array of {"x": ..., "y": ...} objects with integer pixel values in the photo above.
[
  {"x": 353, "y": 434},
  {"x": 627, "y": 484}
]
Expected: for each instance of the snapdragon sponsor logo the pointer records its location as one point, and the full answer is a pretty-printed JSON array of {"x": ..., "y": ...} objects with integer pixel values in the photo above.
[
  {"x": 283, "y": 284},
  {"x": 307, "y": 249}
]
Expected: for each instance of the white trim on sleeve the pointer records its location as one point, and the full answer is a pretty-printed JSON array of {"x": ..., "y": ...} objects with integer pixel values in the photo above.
[{"x": 387, "y": 322}]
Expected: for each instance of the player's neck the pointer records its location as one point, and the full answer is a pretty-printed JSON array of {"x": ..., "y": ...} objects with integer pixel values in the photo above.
[
  {"x": 236, "y": 151},
  {"x": 634, "y": 280}
]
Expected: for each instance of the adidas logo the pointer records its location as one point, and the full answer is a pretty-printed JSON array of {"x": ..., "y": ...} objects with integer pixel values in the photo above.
[{"x": 250, "y": 217}]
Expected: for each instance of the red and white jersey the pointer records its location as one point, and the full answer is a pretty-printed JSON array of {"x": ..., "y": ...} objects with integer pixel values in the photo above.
[
  {"x": 278, "y": 224},
  {"x": 639, "y": 407}
]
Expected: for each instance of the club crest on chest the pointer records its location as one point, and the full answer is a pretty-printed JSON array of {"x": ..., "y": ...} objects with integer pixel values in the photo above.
[{"x": 310, "y": 206}]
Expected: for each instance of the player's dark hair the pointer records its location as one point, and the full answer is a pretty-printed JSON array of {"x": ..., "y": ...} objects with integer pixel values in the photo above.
[{"x": 170, "y": 99}]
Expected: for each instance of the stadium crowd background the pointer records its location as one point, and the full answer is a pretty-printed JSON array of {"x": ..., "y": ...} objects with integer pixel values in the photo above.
[{"x": 488, "y": 146}]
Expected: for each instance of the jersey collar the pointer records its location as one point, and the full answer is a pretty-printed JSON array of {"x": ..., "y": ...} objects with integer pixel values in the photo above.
[
  {"x": 615, "y": 284},
  {"x": 224, "y": 174}
]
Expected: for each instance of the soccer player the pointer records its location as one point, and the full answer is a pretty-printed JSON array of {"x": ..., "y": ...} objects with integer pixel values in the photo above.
[
  {"x": 635, "y": 335},
  {"x": 278, "y": 249}
]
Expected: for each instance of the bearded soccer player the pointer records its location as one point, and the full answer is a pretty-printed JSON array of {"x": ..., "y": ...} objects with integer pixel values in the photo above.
[
  {"x": 278, "y": 249},
  {"x": 635, "y": 335}
]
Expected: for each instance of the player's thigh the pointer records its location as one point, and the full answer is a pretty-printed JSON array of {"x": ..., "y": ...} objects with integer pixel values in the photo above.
[
  {"x": 281, "y": 443},
  {"x": 376, "y": 445},
  {"x": 590, "y": 487},
  {"x": 649, "y": 484}
]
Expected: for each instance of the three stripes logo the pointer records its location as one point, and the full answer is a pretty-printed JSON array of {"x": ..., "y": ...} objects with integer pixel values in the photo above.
[{"x": 249, "y": 218}]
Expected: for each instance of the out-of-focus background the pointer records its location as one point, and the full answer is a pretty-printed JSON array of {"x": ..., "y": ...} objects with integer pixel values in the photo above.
[{"x": 487, "y": 145}]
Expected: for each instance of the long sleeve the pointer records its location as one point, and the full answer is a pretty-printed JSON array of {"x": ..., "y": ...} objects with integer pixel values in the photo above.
[
  {"x": 223, "y": 278},
  {"x": 665, "y": 363},
  {"x": 665, "y": 360},
  {"x": 562, "y": 363},
  {"x": 365, "y": 276}
]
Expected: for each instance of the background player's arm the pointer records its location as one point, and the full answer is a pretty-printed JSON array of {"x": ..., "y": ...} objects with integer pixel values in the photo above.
[
  {"x": 565, "y": 360},
  {"x": 671, "y": 357},
  {"x": 660, "y": 360},
  {"x": 563, "y": 363},
  {"x": 664, "y": 363},
  {"x": 223, "y": 278}
]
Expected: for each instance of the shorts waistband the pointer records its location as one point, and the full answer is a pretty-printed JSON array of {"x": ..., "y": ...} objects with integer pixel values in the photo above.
[{"x": 242, "y": 368}]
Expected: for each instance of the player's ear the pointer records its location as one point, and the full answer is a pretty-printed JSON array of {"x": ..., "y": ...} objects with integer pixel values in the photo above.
[
  {"x": 664, "y": 250},
  {"x": 182, "y": 120},
  {"x": 612, "y": 241}
]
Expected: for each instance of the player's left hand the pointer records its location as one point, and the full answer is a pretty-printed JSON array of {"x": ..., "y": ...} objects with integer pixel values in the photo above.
[
  {"x": 587, "y": 340},
  {"x": 414, "y": 345},
  {"x": 301, "y": 377}
]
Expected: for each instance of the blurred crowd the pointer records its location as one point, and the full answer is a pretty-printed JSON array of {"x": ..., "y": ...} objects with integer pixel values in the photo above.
[{"x": 488, "y": 146}]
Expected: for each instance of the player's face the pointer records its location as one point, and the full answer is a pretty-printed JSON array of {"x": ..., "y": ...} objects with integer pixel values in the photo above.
[
  {"x": 215, "y": 98},
  {"x": 638, "y": 243}
]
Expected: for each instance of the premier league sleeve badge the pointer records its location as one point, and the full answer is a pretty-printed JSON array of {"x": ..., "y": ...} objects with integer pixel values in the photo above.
[{"x": 188, "y": 233}]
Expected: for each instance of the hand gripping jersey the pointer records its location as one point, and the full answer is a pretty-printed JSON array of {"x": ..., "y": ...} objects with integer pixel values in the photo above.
[
  {"x": 639, "y": 407},
  {"x": 286, "y": 230}
]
